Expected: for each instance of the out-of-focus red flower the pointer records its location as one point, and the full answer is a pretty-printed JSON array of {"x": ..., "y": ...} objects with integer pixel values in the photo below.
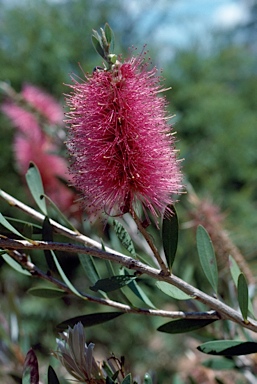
[
  {"x": 50, "y": 165},
  {"x": 122, "y": 150},
  {"x": 44, "y": 103},
  {"x": 22, "y": 119},
  {"x": 31, "y": 143}
]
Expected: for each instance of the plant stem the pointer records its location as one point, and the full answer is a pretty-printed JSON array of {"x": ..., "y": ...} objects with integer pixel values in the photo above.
[
  {"x": 36, "y": 272},
  {"x": 149, "y": 241},
  {"x": 58, "y": 228},
  {"x": 223, "y": 310}
]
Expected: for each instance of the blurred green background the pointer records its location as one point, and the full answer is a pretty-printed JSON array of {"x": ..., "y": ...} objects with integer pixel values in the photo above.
[{"x": 214, "y": 92}]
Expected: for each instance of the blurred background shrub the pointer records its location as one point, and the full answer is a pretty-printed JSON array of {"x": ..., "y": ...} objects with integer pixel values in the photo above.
[{"x": 213, "y": 76}]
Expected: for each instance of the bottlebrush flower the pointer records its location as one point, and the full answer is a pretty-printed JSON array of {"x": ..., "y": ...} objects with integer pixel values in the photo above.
[
  {"x": 44, "y": 103},
  {"x": 22, "y": 119},
  {"x": 32, "y": 143},
  {"x": 50, "y": 165},
  {"x": 122, "y": 150}
]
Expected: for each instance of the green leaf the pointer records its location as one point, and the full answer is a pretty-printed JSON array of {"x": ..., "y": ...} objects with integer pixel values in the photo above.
[
  {"x": 108, "y": 33},
  {"x": 228, "y": 347},
  {"x": 235, "y": 272},
  {"x": 47, "y": 235},
  {"x": 138, "y": 291},
  {"x": 96, "y": 41},
  {"x": 172, "y": 291},
  {"x": 16, "y": 266},
  {"x": 219, "y": 363},
  {"x": 27, "y": 230},
  {"x": 207, "y": 257},
  {"x": 35, "y": 185},
  {"x": 51, "y": 376},
  {"x": 47, "y": 293},
  {"x": 170, "y": 236},
  {"x": 36, "y": 226},
  {"x": 9, "y": 226},
  {"x": 108, "y": 380},
  {"x": 128, "y": 379},
  {"x": 184, "y": 325},
  {"x": 148, "y": 379},
  {"x": 243, "y": 297},
  {"x": 89, "y": 267},
  {"x": 60, "y": 216},
  {"x": 124, "y": 237},
  {"x": 108, "y": 370},
  {"x": 65, "y": 278},
  {"x": 89, "y": 320},
  {"x": 112, "y": 283}
]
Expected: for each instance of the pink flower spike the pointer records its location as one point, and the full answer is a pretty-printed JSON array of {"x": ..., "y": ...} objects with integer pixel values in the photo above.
[
  {"x": 44, "y": 103},
  {"x": 23, "y": 120},
  {"x": 121, "y": 147},
  {"x": 50, "y": 166}
]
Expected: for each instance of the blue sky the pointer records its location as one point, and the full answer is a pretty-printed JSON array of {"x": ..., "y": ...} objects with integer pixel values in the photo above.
[
  {"x": 178, "y": 23},
  {"x": 189, "y": 15}
]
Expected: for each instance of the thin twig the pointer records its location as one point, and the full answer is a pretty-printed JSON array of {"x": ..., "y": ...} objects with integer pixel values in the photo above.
[
  {"x": 35, "y": 271},
  {"x": 147, "y": 237},
  {"x": 75, "y": 235},
  {"x": 224, "y": 311}
]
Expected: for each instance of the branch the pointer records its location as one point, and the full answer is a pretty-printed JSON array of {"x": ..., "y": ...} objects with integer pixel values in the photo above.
[
  {"x": 147, "y": 237},
  {"x": 224, "y": 311},
  {"x": 75, "y": 235},
  {"x": 35, "y": 271}
]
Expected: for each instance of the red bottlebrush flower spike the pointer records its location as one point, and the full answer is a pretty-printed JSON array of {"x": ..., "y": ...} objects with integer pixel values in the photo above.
[
  {"x": 120, "y": 142},
  {"x": 44, "y": 103},
  {"x": 31, "y": 143}
]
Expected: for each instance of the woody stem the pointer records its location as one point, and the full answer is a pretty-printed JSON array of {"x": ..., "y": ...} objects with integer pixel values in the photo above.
[{"x": 149, "y": 241}]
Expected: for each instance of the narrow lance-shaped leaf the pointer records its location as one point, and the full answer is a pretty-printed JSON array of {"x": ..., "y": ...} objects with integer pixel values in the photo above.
[
  {"x": 207, "y": 257},
  {"x": 138, "y": 291},
  {"x": 24, "y": 222},
  {"x": 219, "y": 363},
  {"x": 109, "y": 380},
  {"x": 235, "y": 272},
  {"x": 89, "y": 267},
  {"x": 124, "y": 237},
  {"x": 47, "y": 292},
  {"x": 51, "y": 376},
  {"x": 47, "y": 235},
  {"x": 89, "y": 320},
  {"x": 60, "y": 216},
  {"x": 35, "y": 185},
  {"x": 170, "y": 236},
  {"x": 27, "y": 230},
  {"x": 15, "y": 265},
  {"x": 243, "y": 297},
  {"x": 234, "y": 269},
  {"x": 64, "y": 277},
  {"x": 172, "y": 291},
  {"x": 5, "y": 223},
  {"x": 184, "y": 325},
  {"x": 96, "y": 41},
  {"x": 109, "y": 36},
  {"x": 128, "y": 379},
  {"x": 228, "y": 347},
  {"x": 112, "y": 283}
]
